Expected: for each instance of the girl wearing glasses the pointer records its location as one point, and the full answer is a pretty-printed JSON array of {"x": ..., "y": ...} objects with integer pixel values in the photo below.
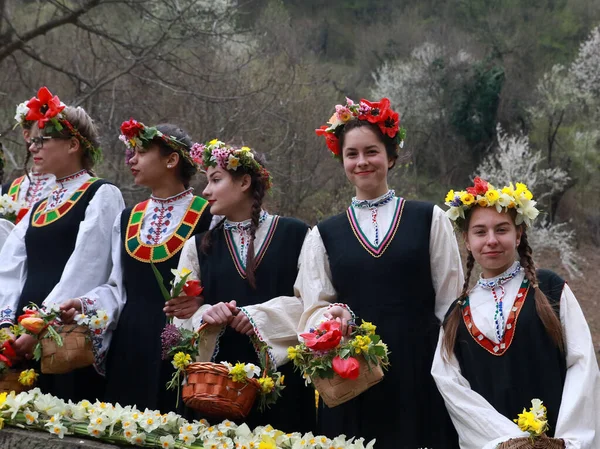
[
  {"x": 34, "y": 185},
  {"x": 61, "y": 248}
]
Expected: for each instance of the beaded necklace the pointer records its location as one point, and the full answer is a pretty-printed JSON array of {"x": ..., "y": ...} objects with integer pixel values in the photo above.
[
  {"x": 493, "y": 285},
  {"x": 373, "y": 206}
]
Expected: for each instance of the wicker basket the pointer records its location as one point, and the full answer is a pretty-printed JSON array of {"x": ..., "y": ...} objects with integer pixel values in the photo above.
[
  {"x": 76, "y": 351},
  {"x": 10, "y": 382},
  {"x": 211, "y": 391},
  {"x": 543, "y": 442},
  {"x": 337, "y": 390}
]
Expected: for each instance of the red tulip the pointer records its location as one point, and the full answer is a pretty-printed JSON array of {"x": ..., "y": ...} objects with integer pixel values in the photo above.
[
  {"x": 479, "y": 188},
  {"x": 43, "y": 107},
  {"x": 8, "y": 350},
  {"x": 192, "y": 288},
  {"x": 346, "y": 368},
  {"x": 327, "y": 337}
]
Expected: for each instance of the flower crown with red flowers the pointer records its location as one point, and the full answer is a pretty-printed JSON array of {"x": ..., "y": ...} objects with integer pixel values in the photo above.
[
  {"x": 218, "y": 154},
  {"x": 483, "y": 194},
  {"x": 46, "y": 109},
  {"x": 379, "y": 113},
  {"x": 135, "y": 134}
]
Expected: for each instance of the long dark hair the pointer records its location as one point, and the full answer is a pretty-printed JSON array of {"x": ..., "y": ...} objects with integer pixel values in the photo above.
[
  {"x": 258, "y": 190},
  {"x": 185, "y": 169},
  {"x": 543, "y": 307}
]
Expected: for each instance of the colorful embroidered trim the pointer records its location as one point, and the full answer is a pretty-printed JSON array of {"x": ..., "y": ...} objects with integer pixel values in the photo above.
[
  {"x": 376, "y": 250},
  {"x": 13, "y": 191},
  {"x": 260, "y": 338},
  {"x": 159, "y": 253},
  {"x": 241, "y": 265},
  {"x": 490, "y": 346},
  {"x": 43, "y": 217}
]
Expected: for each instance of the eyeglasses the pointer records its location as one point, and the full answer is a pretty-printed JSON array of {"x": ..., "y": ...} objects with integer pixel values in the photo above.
[{"x": 39, "y": 141}]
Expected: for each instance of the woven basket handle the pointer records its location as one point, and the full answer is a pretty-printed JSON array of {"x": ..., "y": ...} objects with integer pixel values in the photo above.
[{"x": 267, "y": 358}]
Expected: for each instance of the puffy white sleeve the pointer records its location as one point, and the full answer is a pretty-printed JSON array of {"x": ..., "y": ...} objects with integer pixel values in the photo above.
[
  {"x": 314, "y": 284},
  {"x": 477, "y": 422},
  {"x": 90, "y": 263},
  {"x": 110, "y": 297},
  {"x": 578, "y": 419},
  {"x": 13, "y": 271},
  {"x": 5, "y": 228},
  {"x": 446, "y": 266}
]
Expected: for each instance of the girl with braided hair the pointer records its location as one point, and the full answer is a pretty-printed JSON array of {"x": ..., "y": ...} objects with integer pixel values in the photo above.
[
  {"x": 247, "y": 265},
  {"x": 150, "y": 233},
  {"x": 518, "y": 334}
]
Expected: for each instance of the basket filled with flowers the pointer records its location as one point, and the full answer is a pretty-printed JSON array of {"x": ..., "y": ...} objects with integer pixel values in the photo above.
[
  {"x": 62, "y": 347},
  {"x": 10, "y": 378},
  {"x": 340, "y": 368},
  {"x": 535, "y": 423},
  {"x": 223, "y": 389}
]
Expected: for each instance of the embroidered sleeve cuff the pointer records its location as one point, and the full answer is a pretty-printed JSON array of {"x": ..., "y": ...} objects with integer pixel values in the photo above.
[{"x": 260, "y": 338}]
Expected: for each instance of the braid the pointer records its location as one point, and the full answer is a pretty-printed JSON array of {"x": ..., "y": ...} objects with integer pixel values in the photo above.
[
  {"x": 207, "y": 238},
  {"x": 543, "y": 307},
  {"x": 257, "y": 198},
  {"x": 26, "y": 163},
  {"x": 453, "y": 320}
]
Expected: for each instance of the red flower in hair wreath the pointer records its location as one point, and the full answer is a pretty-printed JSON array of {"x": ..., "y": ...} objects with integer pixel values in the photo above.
[
  {"x": 379, "y": 113},
  {"x": 46, "y": 110},
  {"x": 44, "y": 107}
]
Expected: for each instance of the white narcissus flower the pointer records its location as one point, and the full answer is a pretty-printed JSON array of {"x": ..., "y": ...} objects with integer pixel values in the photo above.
[
  {"x": 454, "y": 213},
  {"x": 139, "y": 439},
  {"x": 251, "y": 370},
  {"x": 167, "y": 442},
  {"x": 30, "y": 416},
  {"x": 538, "y": 408},
  {"x": 187, "y": 438},
  {"x": 21, "y": 112},
  {"x": 82, "y": 319}
]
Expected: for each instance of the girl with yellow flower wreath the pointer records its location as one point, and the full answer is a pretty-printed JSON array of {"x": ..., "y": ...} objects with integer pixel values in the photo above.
[
  {"x": 518, "y": 334},
  {"x": 247, "y": 265},
  {"x": 151, "y": 233}
]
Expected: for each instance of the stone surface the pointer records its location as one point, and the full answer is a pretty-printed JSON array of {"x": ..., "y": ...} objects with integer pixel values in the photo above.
[{"x": 13, "y": 438}]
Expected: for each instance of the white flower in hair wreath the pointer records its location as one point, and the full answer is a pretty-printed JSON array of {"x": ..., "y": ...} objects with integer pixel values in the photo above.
[{"x": 21, "y": 112}]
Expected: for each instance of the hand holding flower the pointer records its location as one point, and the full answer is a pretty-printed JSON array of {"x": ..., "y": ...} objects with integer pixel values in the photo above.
[
  {"x": 24, "y": 345},
  {"x": 69, "y": 309},
  {"x": 183, "y": 307}
]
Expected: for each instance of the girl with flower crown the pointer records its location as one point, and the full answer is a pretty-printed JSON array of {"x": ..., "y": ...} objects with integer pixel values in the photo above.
[
  {"x": 152, "y": 232},
  {"x": 34, "y": 185},
  {"x": 61, "y": 248},
  {"x": 247, "y": 265},
  {"x": 391, "y": 262},
  {"x": 518, "y": 334}
]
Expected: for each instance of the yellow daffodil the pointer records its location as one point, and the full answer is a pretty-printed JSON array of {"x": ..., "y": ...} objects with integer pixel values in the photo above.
[
  {"x": 482, "y": 201},
  {"x": 492, "y": 196},
  {"x": 267, "y": 442},
  {"x": 466, "y": 198},
  {"x": 450, "y": 196},
  {"x": 214, "y": 141}
]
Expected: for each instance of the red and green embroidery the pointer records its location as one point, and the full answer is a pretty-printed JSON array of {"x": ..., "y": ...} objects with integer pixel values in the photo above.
[
  {"x": 14, "y": 188},
  {"x": 235, "y": 255},
  {"x": 164, "y": 251},
  {"x": 511, "y": 324},
  {"x": 376, "y": 250},
  {"x": 42, "y": 217}
]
